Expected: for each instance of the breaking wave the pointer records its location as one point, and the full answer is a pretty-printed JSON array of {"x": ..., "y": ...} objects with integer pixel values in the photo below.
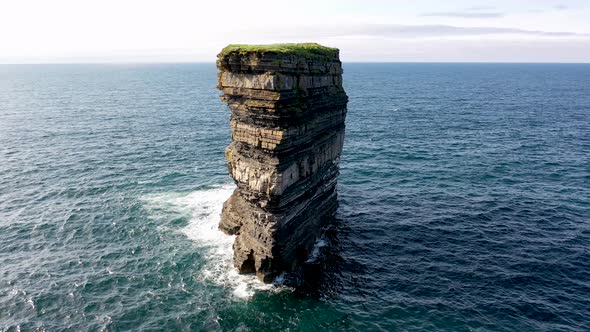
[{"x": 203, "y": 208}]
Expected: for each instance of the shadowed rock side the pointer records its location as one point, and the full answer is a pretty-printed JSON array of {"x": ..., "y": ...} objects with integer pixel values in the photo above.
[{"x": 287, "y": 120}]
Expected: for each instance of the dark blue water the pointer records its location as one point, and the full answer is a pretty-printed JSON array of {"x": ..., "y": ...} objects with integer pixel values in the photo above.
[{"x": 464, "y": 203}]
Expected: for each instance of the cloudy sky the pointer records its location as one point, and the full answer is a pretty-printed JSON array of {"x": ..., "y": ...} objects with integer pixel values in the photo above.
[{"x": 365, "y": 30}]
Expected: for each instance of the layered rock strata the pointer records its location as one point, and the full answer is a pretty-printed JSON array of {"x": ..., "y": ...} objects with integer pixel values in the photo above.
[{"x": 287, "y": 119}]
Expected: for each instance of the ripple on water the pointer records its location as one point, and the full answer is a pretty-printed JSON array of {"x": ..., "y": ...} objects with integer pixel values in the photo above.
[{"x": 463, "y": 203}]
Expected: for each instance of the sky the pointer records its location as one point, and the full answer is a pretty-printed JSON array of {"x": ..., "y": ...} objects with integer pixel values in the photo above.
[{"x": 66, "y": 31}]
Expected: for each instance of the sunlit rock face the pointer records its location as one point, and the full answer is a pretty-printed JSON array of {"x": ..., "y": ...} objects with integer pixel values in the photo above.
[{"x": 287, "y": 118}]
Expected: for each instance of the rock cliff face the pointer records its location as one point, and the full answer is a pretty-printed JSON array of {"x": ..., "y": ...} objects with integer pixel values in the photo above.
[{"x": 287, "y": 118}]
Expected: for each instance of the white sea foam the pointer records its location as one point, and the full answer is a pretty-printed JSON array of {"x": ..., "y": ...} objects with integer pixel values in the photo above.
[
  {"x": 31, "y": 302},
  {"x": 204, "y": 208},
  {"x": 317, "y": 250}
]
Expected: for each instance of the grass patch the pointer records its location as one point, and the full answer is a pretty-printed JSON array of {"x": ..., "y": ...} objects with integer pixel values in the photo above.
[{"x": 308, "y": 50}]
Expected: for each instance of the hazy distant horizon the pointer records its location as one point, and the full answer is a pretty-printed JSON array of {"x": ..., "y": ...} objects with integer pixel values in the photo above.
[{"x": 349, "y": 62}]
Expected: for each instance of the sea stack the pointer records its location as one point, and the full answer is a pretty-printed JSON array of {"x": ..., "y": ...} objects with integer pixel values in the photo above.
[{"x": 287, "y": 119}]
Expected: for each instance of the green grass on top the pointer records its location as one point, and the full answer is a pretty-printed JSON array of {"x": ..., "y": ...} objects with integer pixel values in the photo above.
[{"x": 309, "y": 50}]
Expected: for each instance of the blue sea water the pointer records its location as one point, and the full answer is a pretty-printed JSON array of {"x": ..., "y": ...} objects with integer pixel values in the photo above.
[{"x": 464, "y": 203}]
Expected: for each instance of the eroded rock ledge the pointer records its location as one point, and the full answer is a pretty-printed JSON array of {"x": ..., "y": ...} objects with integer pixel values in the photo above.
[{"x": 287, "y": 118}]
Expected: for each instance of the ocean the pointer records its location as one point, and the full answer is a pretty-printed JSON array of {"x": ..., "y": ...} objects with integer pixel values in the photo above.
[{"x": 464, "y": 203}]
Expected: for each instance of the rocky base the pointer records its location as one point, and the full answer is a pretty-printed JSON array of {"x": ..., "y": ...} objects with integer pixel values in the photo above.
[{"x": 288, "y": 110}]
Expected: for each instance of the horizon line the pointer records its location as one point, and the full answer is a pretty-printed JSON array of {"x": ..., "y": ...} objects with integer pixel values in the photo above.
[{"x": 344, "y": 62}]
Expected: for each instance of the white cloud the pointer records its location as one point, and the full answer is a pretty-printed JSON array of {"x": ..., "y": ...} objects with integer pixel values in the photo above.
[{"x": 466, "y": 14}]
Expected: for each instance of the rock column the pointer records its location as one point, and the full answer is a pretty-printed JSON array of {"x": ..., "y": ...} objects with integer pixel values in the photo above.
[{"x": 287, "y": 119}]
